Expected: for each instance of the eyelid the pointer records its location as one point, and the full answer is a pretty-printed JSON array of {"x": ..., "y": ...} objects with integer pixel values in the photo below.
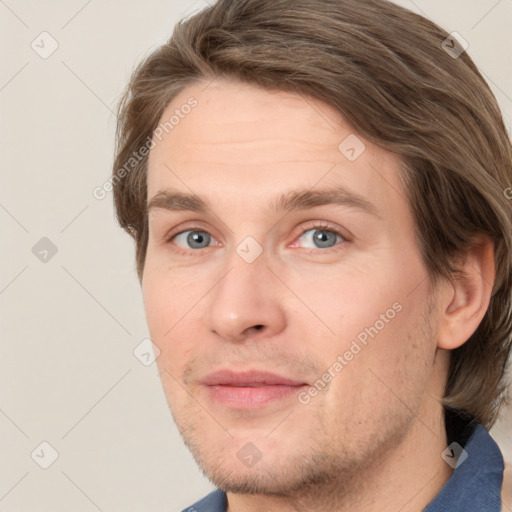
[
  {"x": 192, "y": 225},
  {"x": 326, "y": 226},
  {"x": 301, "y": 230},
  {"x": 321, "y": 226}
]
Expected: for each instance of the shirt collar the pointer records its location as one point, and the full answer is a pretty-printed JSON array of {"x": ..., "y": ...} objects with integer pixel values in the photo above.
[{"x": 475, "y": 484}]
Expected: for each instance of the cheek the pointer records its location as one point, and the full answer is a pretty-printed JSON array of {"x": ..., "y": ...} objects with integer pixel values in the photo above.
[
  {"x": 347, "y": 303},
  {"x": 172, "y": 305},
  {"x": 385, "y": 381},
  {"x": 156, "y": 305},
  {"x": 375, "y": 324},
  {"x": 168, "y": 298},
  {"x": 398, "y": 362},
  {"x": 160, "y": 306}
]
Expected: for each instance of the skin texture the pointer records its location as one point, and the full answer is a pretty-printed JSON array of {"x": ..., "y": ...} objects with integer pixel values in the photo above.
[{"x": 372, "y": 439}]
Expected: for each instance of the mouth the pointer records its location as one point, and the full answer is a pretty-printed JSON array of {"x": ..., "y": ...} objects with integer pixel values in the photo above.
[{"x": 249, "y": 390}]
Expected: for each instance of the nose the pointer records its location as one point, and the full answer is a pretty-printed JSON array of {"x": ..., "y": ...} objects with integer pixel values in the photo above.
[{"x": 246, "y": 302}]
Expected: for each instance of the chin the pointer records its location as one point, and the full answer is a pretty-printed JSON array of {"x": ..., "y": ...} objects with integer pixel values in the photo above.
[{"x": 278, "y": 473}]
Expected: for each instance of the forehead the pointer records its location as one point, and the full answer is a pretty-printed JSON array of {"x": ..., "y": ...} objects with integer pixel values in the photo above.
[{"x": 239, "y": 137}]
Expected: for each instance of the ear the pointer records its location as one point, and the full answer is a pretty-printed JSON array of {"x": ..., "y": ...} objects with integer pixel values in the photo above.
[{"x": 465, "y": 299}]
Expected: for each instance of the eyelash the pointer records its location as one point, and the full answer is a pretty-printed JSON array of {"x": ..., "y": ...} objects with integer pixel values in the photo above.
[{"x": 314, "y": 225}]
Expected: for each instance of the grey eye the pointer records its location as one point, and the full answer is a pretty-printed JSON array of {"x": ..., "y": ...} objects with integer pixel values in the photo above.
[
  {"x": 193, "y": 239},
  {"x": 320, "y": 238}
]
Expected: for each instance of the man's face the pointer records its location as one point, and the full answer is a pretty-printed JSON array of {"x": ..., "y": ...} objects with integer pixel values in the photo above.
[{"x": 328, "y": 295}]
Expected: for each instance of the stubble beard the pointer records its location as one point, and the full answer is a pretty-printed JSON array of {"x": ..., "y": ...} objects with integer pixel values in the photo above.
[{"x": 319, "y": 466}]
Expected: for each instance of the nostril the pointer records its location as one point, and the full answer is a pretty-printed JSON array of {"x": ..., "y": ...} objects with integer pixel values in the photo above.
[{"x": 259, "y": 326}]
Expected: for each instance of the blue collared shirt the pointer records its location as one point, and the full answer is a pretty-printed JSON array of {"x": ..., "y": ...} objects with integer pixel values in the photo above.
[{"x": 474, "y": 486}]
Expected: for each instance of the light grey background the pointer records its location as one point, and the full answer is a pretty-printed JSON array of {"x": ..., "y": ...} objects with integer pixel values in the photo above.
[{"x": 69, "y": 326}]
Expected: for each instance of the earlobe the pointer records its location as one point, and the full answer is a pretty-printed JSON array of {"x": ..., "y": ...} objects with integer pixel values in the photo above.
[{"x": 466, "y": 298}]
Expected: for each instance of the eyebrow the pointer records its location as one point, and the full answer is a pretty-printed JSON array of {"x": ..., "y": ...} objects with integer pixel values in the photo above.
[{"x": 293, "y": 200}]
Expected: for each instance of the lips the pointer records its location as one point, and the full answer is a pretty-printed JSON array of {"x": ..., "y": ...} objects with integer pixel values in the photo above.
[
  {"x": 248, "y": 379},
  {"x": 250, "y": 389}
]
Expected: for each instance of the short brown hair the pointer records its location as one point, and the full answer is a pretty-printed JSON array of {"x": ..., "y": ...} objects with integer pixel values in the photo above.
[{"x": 388, "y": 73}]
